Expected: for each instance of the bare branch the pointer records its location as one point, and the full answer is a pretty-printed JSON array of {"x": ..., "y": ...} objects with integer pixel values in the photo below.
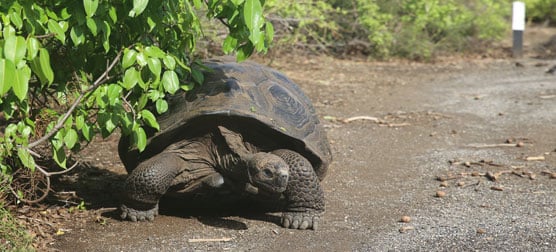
[{"x": 48, "y": 174}]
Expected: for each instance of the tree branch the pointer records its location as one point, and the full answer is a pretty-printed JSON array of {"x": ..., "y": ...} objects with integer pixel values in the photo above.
[{"x": 99, "y": 81}]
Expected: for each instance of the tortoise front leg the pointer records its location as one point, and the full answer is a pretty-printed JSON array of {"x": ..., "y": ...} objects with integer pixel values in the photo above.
[
  {"x": 146, "y": 184},
  {"x": 304, "y": 195}
]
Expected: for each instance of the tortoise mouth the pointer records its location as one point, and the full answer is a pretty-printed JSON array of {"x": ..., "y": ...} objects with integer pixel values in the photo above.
[{"x": 268, "y": 188}]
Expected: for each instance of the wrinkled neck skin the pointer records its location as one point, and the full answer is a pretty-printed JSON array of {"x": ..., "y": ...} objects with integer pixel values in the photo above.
[{"x": 230, "y": 165}]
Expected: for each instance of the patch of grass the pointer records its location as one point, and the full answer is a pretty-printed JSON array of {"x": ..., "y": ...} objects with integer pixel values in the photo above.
[{"x": 13, "y": 236}]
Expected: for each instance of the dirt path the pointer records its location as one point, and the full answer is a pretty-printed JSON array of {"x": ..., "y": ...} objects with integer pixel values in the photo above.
[{"x": 436, "y": 120}]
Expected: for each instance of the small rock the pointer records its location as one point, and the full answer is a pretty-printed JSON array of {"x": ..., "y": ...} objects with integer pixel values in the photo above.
[
  {"x": 492, "y": 176},
  {"x": 460, "y": 183},
  {"x": 406, "y": 228},
  {"x": 496, "y": 188},
  {"x": 444, "y": 184},
  {"x": 440, "y": 194},
  {"x": 405, "y": 219},
  {"x": 481, "y": 231}
]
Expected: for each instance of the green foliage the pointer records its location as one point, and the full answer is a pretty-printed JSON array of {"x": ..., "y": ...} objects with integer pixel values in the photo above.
[
  {"x": 305, "y": 22},
  {"x": 72, "y": 69},
  {"x": 432, "y": 26},
  {"x": 541, "y": 10},
  {"x": 416, "y": 29}
]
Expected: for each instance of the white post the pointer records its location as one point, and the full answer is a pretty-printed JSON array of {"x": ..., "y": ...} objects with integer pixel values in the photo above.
[{"x": 518, "y": 26}]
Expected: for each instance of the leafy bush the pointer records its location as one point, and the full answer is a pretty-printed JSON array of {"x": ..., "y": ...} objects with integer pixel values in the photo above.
[
  {"x": 72, "y": 69},
  {"x": 302, "y": 24},
  {"x": 416, "y": 29},
  {"x": 429, "y": 27},
  {"x": 541, "y": 10}
]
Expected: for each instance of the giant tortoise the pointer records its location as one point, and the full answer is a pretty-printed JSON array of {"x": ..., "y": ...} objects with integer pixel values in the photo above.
[{"x": 247, "y": 127}]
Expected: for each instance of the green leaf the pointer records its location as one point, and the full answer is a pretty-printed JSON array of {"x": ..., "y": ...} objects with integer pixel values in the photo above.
[
  {"x": 140, "y": 138},
  {"x": 58, "y": 152},
  {"x": 90, "y": 7},
  {"x": 68, "y": 124},
  {"x": 141, "y": 59},
  {"x": 252, "y": 14},
  {"x": 26, "y": 158},
  {"x": 33, "y": 46},
  {"x": 57, "y": 29},
  {"x": 113, "y": 14},
  {"x": 169, "y": 62},
  {"x": 59, "y": 156},
  {"x": 87, "y": 132},
  {"x": 79, "y": 122},
  {"x": 15, "y": 19},
  {"x": 21, "y": 83},
  {"x": 170, "y": 82},
  {"x": 114, "y": 92},
  {"x": 92, "y": 24},
  {"x": 138, "y": 7},
  {"x": 8, "y": 31},
  {"x": 269, "y": 32},
  {"x": 106, "y": 36},
  {"x": 131, "y": 77},
  {"x": 14, "y": 49},
  {"x": 198, "y": 76},
  {"x": 161, "y": 106},
  {"x": 244, "y": 51},
  {"x": 187, "y": 86},
  {"x": 77, "y": 36},
  {"x": 229, "y": 44},
  {"x": 155, "y": 66},
  {"x": 46, "y": 69},
  {"x": 149, "y": 119},
  {"x": 129, "y": 58},
  {"x": 154, "y": 51},
  {"x": 71, "y": 138},
  {"x": 7, "y": 75}
]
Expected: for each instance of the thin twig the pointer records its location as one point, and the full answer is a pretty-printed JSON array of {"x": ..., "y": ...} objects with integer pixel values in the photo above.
[
  {"x": 537, "y": 158},
  {"x": 48, "y": 174},
  {"x": 49, "y": 35},
  {"x": 367, "y": 118},
  {"x": 493, "y": 145},
  {"x": 225, "y": 239}
]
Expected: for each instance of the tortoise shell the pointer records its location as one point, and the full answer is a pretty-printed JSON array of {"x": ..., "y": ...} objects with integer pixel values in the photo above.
[{"x": 246, "y": 93}]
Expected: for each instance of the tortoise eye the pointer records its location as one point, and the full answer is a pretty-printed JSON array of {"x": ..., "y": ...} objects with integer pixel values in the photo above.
[{"x": 268, "y": 173}]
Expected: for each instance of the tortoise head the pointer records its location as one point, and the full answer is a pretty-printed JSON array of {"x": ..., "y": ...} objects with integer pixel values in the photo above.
[
  {"x": 268, "y": 172},
  {"x": 265, "y": 171}
]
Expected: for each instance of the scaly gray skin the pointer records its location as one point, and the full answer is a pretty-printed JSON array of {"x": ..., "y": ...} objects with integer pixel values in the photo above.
[
  {"x": 304, "y": 196},
  {"x": 281, "y": 171}
]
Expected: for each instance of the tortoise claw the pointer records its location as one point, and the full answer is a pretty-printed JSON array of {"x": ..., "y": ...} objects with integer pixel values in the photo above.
[
  {"x": 300, "y": 220},
  {"x": 134, "y": 215}
]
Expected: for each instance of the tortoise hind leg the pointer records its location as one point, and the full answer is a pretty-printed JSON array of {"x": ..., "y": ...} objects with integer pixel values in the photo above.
[
  {"x": 304, "y": 195},
  {"x": 146, "y": 184}
]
